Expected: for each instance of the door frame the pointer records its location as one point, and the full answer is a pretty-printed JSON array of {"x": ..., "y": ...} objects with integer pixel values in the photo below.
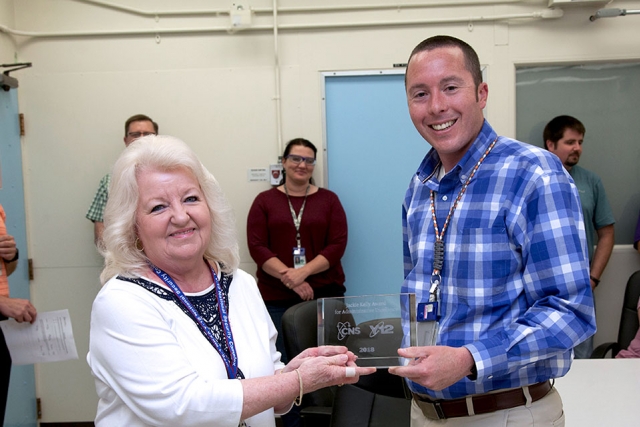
[{"x": 21, "y": 402}]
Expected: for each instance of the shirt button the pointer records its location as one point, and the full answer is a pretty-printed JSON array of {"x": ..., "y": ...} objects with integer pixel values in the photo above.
[
  {"x": 445, "y": 198},
  {"x": 463, "y": 178},
  {"x": 490, "y": 377}
]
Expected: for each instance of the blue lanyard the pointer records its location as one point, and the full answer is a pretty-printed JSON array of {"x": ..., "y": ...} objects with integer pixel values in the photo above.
[{"x": 230, "y": 365}]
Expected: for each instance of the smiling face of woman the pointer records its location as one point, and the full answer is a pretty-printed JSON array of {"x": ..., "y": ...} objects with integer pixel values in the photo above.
[
  {"x": 173, "y": 219},
  {"x": 299, "y": 173}
]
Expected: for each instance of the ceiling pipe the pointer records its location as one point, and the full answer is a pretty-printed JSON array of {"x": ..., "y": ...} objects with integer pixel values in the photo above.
[
  {"x": 542, "y": 14},
  {"x": 276, "y": 55},
  {"x": 612, "y": 13},
  {"x": 301, "y": 9}
]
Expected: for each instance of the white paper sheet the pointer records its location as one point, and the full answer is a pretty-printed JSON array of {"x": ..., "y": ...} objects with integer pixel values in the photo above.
[{"x": 48, "y": 339}]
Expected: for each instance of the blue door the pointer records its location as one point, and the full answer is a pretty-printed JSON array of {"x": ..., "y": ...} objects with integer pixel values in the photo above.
[
  {"x": 373, "y": 150},
  {"x": 21, "y": 405}
]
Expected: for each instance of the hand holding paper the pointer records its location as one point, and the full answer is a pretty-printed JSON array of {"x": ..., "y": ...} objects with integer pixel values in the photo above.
[
  {"x": 19, "y": 309},
  {"x": 48, "y": 339}
]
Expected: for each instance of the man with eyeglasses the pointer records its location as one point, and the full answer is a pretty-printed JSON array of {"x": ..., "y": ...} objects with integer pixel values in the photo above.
[{"x": 135, "y": 127}]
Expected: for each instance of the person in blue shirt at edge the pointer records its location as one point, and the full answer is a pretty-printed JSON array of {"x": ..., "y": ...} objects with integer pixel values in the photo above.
[
  {"x": 494, "y": 243},
  {"x": 563, "y": 136}
]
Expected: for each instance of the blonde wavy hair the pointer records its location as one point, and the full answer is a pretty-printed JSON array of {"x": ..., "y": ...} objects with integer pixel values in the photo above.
[{"x": 163, "y": 153}]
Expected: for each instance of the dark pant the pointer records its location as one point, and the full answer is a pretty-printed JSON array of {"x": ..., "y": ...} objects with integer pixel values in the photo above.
[
  {"x": 276, "y": 311},
  {"x": 5, "y": 373}
]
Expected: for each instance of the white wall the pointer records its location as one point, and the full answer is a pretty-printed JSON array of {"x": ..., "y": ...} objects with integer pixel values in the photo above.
[
  {"x": 216, "y": 91},
  {"x": 7, "y": 47}
]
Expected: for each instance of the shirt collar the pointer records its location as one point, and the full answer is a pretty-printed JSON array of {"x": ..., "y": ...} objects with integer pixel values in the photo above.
[{"x": 427, "y": 170}]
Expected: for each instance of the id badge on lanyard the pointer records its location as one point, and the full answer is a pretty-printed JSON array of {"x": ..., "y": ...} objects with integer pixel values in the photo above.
[
  {"x": 428, "y": 314},
  {"x": 299, "y": 254},
  {"x": 299, "y": 257}
]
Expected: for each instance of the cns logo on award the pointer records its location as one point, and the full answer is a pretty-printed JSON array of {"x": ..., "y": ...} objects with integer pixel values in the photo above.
[{"x": 345, "y": 329}]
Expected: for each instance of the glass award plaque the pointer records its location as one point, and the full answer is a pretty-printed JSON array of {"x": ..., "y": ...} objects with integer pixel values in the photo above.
[{"x": 373, "y": 327}]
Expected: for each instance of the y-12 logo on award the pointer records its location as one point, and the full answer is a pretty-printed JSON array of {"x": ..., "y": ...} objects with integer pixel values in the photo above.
[{"x": 380, "y": 328}]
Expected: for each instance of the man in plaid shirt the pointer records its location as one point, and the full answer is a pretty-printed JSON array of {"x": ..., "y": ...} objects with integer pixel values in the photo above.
[
  {"x": 135, "y": 127},
  {"x": 494, "y": 244}
]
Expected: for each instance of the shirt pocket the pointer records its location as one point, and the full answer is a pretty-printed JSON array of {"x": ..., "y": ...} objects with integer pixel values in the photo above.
[{"x": 484, "y": 264}]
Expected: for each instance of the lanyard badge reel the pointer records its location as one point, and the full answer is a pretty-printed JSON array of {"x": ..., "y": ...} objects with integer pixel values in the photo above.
[
  {"x": 428, "y": 314},
  {"x": 299, "y": 257}
]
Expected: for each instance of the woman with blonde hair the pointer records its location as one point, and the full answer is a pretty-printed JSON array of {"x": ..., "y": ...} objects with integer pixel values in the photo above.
[{"x": 179, "y": 335}]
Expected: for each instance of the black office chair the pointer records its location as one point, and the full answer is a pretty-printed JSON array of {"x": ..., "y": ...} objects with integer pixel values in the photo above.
[
  {"x": 377, "y": 400},
  {"x": 300, "y": 331},
  {"x": 628, "y": 320}
]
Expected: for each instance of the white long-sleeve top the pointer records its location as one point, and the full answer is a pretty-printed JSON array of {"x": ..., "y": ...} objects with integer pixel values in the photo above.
[{"x": 153, "y": 366}]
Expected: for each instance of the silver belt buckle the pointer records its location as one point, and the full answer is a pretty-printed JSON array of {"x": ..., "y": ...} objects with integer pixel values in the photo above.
[{"x": 431, "y": 410}]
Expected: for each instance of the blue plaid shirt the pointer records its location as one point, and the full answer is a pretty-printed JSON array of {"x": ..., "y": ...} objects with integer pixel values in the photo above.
[{"x": 515, "y": 282}]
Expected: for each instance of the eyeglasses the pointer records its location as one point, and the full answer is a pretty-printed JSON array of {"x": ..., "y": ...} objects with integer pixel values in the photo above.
[
  {"x": 139, "y": 134},
  {"x": 309, "y": 161}
]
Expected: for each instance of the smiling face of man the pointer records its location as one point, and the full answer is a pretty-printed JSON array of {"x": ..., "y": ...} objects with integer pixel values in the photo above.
[{"x": 445, "y": 104}]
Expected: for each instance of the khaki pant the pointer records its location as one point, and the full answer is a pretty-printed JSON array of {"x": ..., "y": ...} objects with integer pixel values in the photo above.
[{"x": 545, "y": 412}]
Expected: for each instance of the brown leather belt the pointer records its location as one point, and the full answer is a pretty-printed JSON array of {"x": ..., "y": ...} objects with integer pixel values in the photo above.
[{"x": 482, "y": 404}]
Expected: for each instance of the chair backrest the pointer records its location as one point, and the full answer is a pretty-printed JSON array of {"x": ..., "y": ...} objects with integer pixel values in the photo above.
[
  {"x": 300, "y": 331},
  {"x": 300, "y": 327},
  {"x": 377, "y": 400},
  {"x": 629, "y": 317}
]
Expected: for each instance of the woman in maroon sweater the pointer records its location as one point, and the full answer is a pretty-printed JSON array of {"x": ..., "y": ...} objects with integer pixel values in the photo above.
[{"x": 304, "y": 264}]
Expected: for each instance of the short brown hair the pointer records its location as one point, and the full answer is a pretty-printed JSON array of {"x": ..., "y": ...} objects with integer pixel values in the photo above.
[
  {"x": 139, "y": 118},
  {"x": 471, "y": 60},
  {"x": 554, "y": 130}
]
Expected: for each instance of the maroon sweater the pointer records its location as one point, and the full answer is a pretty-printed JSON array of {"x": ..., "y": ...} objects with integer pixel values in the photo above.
[{"x": 323, "y": 231}]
